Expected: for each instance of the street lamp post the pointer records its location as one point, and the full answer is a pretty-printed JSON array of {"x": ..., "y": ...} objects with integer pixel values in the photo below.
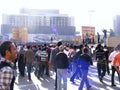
[
  {"x": 90, "y": 16},
  {"x": 90, "y": 25}
]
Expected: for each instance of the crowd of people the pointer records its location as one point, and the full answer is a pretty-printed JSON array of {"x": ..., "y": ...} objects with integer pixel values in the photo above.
[{"x": 62, "y": 58}]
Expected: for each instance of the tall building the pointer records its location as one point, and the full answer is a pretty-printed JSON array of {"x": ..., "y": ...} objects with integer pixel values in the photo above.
[
  {"x": 39, "y": 22},
  {"x": 116, "y": 25}
]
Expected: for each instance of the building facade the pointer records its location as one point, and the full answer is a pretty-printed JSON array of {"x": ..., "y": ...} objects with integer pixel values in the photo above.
[
  {"x": 37, "y": 22},
  {"x": 116, "y": 25}
]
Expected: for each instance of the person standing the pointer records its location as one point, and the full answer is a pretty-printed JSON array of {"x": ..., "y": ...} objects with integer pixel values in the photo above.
[
  {"x": 76, "y": 70},
  {"x": 83, "y": 39},
  {"x": 29, "y": 56},
  {"x": 116, "y": 61},
  {"x": 92, "y": 39},
  {"x": 61, "y": 64},
  {"x": 98, "y": 37},
  {"x": 105, "y": 48},
  {"x": 8, "y": 53},
  {"x": 84, "y": 62},
  {"x": 37, "y": 62},
  {"x": 111, "y": 58},
  {"x": 43, "y": 61},
  {"x": 105, "y": 36},
  {"x": 71, "y": 53},
  {"x": 21, "y": 62},
  {"x": 52, "y": 60},
  {"x": 101, "y": 65}
]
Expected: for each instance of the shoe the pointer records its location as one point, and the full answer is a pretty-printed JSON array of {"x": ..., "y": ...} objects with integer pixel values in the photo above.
[
  {"x": 72, "y": 81},
  {"x": 47, "y": 75},
  {"x": 38, "y": 77},
  {"x": 101, "y": 80},
  {"x": 113, "y": 85},
  {"x": 89, "y": 87},
  {"x": 29, "y": 79},
  {"x": 22, "y": 75},
  {"x": 77, "y": 77}
]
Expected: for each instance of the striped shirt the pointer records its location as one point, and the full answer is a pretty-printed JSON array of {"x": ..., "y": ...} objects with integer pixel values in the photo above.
[{"x": 44, "y": 56}]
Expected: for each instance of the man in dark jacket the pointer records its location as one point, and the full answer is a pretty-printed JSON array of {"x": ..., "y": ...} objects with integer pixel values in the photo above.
[
  {"x": 52, "y": 60},
  {"x": 84, "y": 62},
  {"x": 75, "y": 64},
  {"x": 61, "y": 63}
]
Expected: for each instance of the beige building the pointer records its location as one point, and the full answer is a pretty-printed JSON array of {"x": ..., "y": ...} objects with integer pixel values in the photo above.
[
  {"x": 24, "y": 34},
  {"x": 113, "y": 41},
  {"x": 15, "y": 33}
]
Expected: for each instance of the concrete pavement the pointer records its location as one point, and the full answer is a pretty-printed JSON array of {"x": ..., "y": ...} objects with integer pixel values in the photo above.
[{"x": 47, "y": 83}]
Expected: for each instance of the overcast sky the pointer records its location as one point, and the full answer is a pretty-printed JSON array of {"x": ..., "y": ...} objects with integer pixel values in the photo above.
[{"x": 98, "y": 13}]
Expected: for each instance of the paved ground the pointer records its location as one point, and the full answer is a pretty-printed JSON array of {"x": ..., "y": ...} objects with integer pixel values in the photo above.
[{"x": 47, "y": 83}]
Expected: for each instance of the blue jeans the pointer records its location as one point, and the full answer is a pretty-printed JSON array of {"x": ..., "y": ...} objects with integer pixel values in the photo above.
[
  {"x": 29, "y": 66},
  {"x": 74, "y": 66},
  {"x": 61, "y": 75},
  {"x": 76, "y": 73},
  {"x": 84, "y": 79}
]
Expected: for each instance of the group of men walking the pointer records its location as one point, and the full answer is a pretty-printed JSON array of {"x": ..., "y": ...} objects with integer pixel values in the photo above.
[{"x": 63, "y": 59}]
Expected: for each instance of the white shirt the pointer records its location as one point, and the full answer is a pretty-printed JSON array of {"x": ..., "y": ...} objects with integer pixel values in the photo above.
[{"x": 112, "y": 55}]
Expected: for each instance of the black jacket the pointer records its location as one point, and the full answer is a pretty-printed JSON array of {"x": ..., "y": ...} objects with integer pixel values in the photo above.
[{"x": 61, "y": 61}]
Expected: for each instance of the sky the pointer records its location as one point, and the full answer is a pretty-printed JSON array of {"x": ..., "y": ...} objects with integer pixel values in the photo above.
[{"x": 98, "y": 13}]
